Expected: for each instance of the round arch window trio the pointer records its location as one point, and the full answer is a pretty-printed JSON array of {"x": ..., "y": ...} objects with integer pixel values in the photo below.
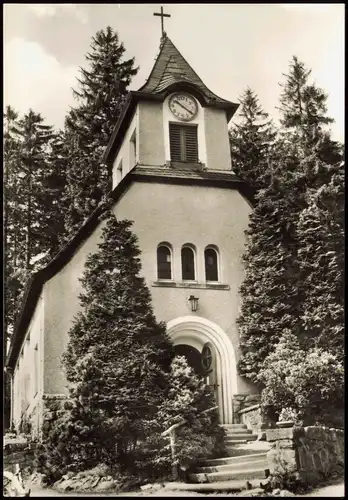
[{"x": 188, "y": 263}]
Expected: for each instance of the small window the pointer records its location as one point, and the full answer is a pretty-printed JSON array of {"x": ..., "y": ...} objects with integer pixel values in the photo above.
[
  {"x": 133, "y": 150},
  {"x": 164, "y": 263},
  {"x": 188, "y": 263},
  {"x": 183, "y": 143},
  {"x": 36, "y": 369},
  {"x": 211, "y": 264},
  {"x": 119, "y": 172}
]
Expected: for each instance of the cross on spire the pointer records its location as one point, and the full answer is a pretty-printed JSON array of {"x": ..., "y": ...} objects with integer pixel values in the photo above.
[{"x": 162, "y": 15}]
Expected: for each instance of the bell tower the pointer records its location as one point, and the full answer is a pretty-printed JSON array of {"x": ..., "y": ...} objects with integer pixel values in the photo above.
[{"x": 172, "y": 122}]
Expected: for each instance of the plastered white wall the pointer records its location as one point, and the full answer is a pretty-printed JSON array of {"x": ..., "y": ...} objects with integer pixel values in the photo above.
[
  {"x": 124, "y": 153},
  {"x": 28, "y": 373}
]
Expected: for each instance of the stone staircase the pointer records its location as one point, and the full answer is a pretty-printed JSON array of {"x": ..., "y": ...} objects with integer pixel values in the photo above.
[{"x": 246, "y": 460}]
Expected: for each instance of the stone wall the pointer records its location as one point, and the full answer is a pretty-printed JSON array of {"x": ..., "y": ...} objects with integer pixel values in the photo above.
[
  {"x": 252, "y": 418},
  {"x": 241, "y": 402},
  {"x": 20, "y": 452},
  {"x": 309, "y": 454}
]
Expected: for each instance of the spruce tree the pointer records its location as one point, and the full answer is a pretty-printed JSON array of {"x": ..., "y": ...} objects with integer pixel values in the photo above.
[
  {"x": 270, "y": 295},
  {"x": 30, "y": 213},
  {"x": 303, "y": 111},
  {"x": 320, "y": 235},
  {"x": 54, "y": 183},
  {"x": 272, "y": 292},
  {"x": 118, "y": 356},
  {"x": 88, "y": 127},
  {"x": 12, "y": 220},
  {"x": 34, "y": 138},
  {"x": 252, "y": 142}
]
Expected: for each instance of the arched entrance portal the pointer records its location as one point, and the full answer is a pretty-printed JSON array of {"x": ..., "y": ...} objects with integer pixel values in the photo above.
[{"x": 208, "y": 339}]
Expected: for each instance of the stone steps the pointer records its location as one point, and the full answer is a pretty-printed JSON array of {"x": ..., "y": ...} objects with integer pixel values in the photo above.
[
  {"x": 234, "y": 426},
  {"x": 231, "y": 438},
  {"x": 246, "y": 459},
  {"x": 258, "y": 464},
  {"x": 251, "y": 457},
  {"x": 257, "y": 461},
  {"x": 253, "y": 473},
  {"x": 234, "y": 432}
]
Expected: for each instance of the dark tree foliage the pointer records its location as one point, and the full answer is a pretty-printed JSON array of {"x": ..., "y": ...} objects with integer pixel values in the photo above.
[
  {"x": 303, "y": 112},
  {"x": 252, "y": 142},
  {"x": 88, "y": 126},
  {"x": 117, "y": 355},
  {"x": 290, "y": 277},
  {"x": 320, "y": 233},
  {"x": 124, "y": 389}
]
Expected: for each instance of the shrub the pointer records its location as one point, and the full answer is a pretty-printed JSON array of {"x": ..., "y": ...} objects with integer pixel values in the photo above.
[{"x": 308, "y": 384}]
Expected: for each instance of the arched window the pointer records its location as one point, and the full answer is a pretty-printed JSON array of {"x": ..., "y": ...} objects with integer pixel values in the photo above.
[
  {"x": 188, "y": 263},
  {"x": 164, "y": 263},
  {"x": 211, "y": 264}
]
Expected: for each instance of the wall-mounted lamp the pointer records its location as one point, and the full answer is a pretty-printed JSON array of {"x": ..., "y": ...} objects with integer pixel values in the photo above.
[{"x": 194, "y": 302}]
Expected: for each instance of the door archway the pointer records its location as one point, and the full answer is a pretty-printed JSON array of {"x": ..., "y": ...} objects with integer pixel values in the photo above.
[{"x": 197, "y": 332}]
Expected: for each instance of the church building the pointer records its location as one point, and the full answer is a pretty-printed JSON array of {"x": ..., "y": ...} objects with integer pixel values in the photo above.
[{"x": 170, "y": 163}]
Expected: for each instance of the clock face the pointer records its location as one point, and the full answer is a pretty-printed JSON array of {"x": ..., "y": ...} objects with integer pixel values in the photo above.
[{"x": 183, "y": 106}]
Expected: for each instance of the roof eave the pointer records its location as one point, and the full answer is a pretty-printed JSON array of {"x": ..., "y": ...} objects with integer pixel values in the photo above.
[
  {"x": 127, "y": 111},
  {"x": 136, "y": 95},
  {"x": 34, "y": 286}
]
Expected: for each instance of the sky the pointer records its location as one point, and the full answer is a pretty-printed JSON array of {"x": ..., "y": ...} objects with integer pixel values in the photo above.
[{"x": 230, "y": 46}]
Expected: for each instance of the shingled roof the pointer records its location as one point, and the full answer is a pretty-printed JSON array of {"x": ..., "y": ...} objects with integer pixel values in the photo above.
[{"x": 171, "y": 67}]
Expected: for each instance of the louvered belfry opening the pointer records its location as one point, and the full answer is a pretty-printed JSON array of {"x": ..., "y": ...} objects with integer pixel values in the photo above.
[{"x": 183, "y": 143}]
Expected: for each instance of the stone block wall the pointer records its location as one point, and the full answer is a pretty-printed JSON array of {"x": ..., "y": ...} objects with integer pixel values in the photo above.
[
  {"x": 242, "y": 401},
  {"x": 21, "y": 453},
  {"x": 252, "y": 418},
  {"x": 309, "y": 454}
]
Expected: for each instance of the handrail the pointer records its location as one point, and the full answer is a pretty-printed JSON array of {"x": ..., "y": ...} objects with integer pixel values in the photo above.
[
  {"x": 183, "y": 421},
  {"x": 171, "y": 432}
]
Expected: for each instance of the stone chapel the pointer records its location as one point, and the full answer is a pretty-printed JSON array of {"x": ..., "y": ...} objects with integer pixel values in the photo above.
[{"x": 170, "y": 162}]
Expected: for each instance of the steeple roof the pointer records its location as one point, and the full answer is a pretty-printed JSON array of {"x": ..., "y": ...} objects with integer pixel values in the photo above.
[
  {"x": 170, "y": 70},
  {"x": 171, "y": 67}
]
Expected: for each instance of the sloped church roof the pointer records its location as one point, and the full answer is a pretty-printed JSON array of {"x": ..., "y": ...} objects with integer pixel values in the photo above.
[{"x": 171, "y": 67}]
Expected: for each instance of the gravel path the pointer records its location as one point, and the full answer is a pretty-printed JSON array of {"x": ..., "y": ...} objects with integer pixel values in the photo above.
[{"x": 333, "y": 490}]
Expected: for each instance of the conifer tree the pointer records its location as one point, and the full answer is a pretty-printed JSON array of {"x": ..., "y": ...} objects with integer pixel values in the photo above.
[
  {"x": 270, "y": 294},
  {"x": 34, "y": 138},
  {"x": 117, "y": 355},
  {"x": 88, "y": 127},
  {"x": 252, "y": 142},
  {"x": 320, "y": 234},
  {"x": 54, "y": 183},
  {"x": 304, "y": 114},
  {"x": 11, "y": 219}
]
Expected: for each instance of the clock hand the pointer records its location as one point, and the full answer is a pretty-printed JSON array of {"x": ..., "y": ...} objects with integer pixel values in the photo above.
[{"x": 184, "y": 107}]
